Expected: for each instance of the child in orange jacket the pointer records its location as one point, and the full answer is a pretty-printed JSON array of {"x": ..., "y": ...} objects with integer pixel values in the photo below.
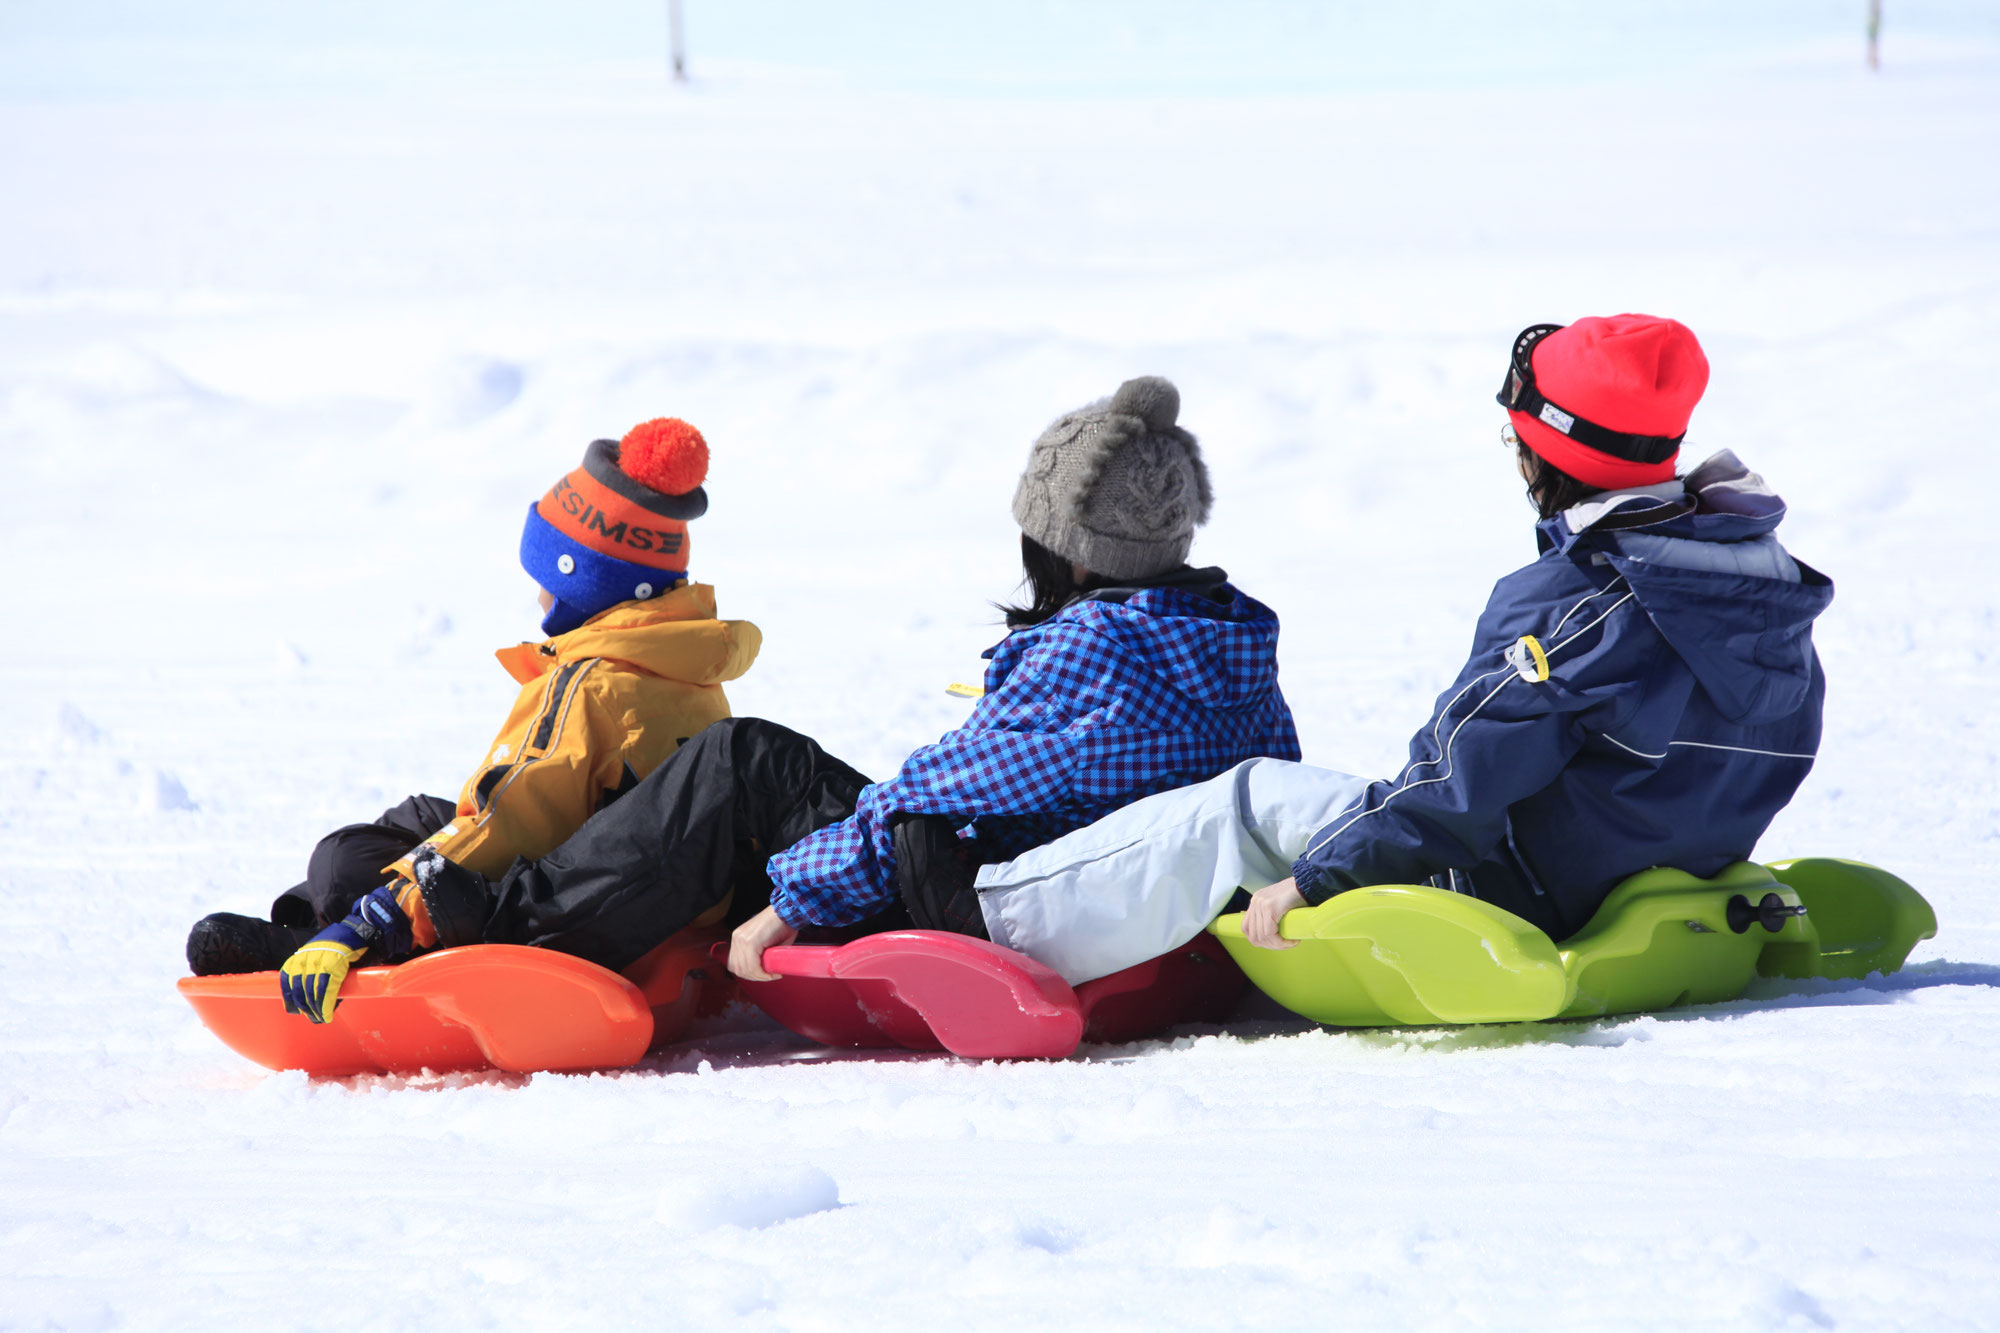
[{"x": 633, "y": 665}]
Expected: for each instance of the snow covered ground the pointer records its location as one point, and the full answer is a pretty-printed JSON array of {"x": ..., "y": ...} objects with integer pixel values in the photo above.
[{"x": 296, "y": 321}]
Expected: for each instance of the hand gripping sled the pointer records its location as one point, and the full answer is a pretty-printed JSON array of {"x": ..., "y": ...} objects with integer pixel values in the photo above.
[{"x": 1409, "y": 955}]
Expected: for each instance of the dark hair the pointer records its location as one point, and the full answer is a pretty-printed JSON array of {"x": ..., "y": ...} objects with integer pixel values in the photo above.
[
  {"x": 1550, "y": 489},
  {"x": 1051, "y": 585}
]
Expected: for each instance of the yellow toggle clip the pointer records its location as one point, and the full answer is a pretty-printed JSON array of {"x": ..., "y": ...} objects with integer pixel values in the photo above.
[
  {"x": 1528, "y": 659},
  {"x": 958, "y": 691}
]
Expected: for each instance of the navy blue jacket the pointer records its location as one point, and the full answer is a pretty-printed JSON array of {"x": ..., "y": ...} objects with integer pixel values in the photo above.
[{"x": 1679, "y": 713}]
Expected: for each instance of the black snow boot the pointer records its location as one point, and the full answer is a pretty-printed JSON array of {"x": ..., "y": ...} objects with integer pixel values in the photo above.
[
  {"x": 224, "y": 942},
  {"x": 934, "y": 873},
  {"x": 459, "y": 900}
]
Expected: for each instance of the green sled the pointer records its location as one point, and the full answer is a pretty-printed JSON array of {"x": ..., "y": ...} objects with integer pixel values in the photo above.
[{"x": 1401, "y": 955}]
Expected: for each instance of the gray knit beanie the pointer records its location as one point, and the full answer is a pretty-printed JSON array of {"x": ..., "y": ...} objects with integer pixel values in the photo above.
[{"x": 1116, "y": 486}]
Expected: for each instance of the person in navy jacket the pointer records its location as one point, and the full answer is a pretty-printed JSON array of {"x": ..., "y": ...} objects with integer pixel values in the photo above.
[{"x": 1644, "y": 694}]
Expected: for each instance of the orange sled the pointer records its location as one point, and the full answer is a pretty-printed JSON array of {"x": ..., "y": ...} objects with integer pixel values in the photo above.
[{"x": 485, "y": 1006}]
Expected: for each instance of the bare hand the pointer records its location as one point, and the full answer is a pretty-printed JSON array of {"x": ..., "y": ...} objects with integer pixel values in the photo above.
[
  {"x": 747, "y": 945},
  {"x": 1267, "y": 909}
]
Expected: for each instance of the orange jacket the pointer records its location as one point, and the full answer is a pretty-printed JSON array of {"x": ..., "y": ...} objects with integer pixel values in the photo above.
[{"x": 600, "y": 707}]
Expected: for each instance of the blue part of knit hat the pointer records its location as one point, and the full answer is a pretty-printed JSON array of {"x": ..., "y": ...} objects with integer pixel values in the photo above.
[{"x": 592, "y": 583}]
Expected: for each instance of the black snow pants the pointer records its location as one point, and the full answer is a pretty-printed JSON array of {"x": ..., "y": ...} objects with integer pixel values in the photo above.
[
  {"x": 347, "y": 864},
  {"x": 698, "y": 829}
]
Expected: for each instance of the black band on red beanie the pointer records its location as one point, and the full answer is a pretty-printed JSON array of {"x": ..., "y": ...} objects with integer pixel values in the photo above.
[{"x": 1518, "y": 393}]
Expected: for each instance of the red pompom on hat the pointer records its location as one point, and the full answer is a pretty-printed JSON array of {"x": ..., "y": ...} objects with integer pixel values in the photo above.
[
  {"x": 665, "y": 454},
  {"x": 1606, "y": 394}
]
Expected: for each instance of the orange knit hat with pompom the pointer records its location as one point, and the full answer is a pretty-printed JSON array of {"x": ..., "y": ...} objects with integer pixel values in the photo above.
[{"x": 615, "y": 529}]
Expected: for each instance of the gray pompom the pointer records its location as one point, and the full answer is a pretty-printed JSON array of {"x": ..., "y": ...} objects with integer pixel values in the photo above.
[{"x": 1150, "y": 398}]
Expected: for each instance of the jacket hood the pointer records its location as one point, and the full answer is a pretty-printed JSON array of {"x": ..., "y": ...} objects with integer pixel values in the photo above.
[
  {"x": 674, "y": 635},
  {"x": 1709, "y": 574},
  {"x": 1747, "y": 639},
  {"x": 1720, "y": 501},
  {"x": 1210, "y": 643}
]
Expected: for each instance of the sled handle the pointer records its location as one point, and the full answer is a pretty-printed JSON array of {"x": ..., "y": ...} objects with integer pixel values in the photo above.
[{"x": 787, "y": 960}]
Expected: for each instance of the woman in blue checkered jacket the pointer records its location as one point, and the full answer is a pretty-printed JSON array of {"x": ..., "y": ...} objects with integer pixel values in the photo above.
[{"x": 1125, "y": 673}]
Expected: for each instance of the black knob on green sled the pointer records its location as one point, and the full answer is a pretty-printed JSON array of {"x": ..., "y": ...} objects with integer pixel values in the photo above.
[{"x": 1772, "y": 911}]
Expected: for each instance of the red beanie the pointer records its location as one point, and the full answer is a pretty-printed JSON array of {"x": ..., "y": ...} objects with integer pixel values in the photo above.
[{"x": 1606, "y": 394}]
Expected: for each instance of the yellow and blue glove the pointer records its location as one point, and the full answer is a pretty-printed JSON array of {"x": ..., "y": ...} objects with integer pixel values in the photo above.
[{"x": 310, "y": 979}]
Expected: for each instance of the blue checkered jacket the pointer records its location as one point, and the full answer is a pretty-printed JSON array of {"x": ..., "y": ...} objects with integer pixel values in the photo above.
[{"x": 1103, "y": 703}]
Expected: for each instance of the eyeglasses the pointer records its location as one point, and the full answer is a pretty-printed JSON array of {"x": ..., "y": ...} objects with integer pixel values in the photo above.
[{"x": 1518, "y": 393}]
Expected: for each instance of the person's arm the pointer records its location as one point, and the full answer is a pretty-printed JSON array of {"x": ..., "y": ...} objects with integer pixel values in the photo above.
[
  {"x": 1496, "y": 737},
  {"x": 545, "y": 774},
  {"x": 549, "y": 767},
  {"x": 846, "y": 872},
  {"x": 1448, "y": 808},
  {"x": 1012, "y": 756}
]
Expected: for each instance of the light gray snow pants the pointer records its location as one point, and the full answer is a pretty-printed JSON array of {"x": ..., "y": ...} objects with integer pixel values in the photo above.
[{"x": 1150, "y": 877}]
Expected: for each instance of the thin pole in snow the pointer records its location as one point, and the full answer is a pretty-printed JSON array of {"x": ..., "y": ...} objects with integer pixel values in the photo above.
[
  {"x": 1874, "y": 34},
  {"x": 677, "y": 41}
]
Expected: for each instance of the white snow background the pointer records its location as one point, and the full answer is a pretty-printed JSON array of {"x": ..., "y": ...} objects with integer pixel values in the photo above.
[{"x": 301, "y": 306}]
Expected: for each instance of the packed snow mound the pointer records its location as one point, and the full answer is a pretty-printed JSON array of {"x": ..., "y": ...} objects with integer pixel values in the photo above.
[{"x": 746, "y": 1195}]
